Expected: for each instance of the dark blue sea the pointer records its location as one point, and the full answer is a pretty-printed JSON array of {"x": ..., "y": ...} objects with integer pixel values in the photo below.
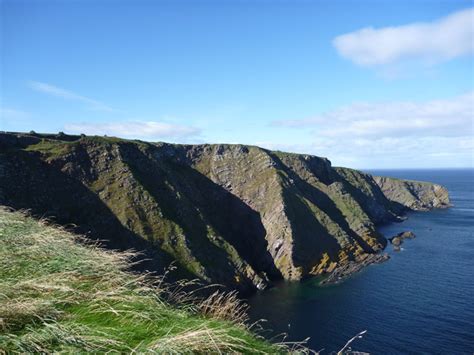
[{"x": 420, "y": 301}]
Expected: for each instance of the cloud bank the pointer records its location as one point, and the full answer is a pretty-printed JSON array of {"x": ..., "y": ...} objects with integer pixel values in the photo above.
[
  {"x": 135, "y": 129},
  {"x": 447, "y": 38},
  {"x": 391, "y": 134},
  {"x": 437, "y": 117},
  {"x": 68, "y": 95}
]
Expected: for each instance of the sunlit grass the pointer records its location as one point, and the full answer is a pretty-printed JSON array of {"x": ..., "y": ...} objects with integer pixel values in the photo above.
[{"x": 59, "y": 293}]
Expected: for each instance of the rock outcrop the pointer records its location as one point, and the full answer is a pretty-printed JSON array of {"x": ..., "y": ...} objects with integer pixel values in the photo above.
[
  {"x": 415, "y": 195},
  {"x": 237, "y": 215},
  {"x": 343, "y": 271},
  {"x": 398, "y": 239}
]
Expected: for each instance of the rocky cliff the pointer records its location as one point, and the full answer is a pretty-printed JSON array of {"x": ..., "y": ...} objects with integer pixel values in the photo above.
[
  {"x": 231, "y": 214},
  {"x": 416, "y": 195}
]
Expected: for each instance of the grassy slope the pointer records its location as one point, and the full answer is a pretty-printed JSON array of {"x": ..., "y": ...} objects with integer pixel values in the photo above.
[{"x": 57, "y": 294}]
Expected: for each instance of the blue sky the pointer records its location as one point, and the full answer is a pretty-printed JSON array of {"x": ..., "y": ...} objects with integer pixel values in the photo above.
[{"x": 368, "y": 84}]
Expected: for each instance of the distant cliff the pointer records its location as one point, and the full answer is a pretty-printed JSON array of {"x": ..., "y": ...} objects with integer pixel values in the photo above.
[{"x": 232, "y": 214}]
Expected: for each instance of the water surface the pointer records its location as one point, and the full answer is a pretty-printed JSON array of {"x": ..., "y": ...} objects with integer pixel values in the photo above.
[{"x": 420, "y": 301}]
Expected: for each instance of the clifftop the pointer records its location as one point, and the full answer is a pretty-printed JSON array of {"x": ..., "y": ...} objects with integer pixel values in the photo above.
[{"x": 232, "y": 214}]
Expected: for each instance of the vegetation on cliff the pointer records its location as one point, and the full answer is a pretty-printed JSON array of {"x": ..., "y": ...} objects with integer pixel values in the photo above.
[
  {"x": 237, "y": 215},
  {"x": 58, "y": 294}
]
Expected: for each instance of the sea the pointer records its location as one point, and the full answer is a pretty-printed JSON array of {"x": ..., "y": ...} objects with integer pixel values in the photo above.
[{"x": 421, "y": 301}]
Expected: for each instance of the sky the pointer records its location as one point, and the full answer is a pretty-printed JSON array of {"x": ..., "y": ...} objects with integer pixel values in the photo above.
[{"x": 367, "y": 83}]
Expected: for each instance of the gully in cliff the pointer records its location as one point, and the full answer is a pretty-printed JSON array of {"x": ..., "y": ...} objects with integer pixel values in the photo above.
[{"x": 241, "y": 216}]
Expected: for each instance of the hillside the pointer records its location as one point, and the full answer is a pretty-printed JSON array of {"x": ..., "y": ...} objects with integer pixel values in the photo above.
[
  {"x": 237, "y": 215},
  {"x": 58, "y": 294}
]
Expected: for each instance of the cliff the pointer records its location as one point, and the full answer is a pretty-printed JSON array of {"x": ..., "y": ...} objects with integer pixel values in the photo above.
[
  {"x": 416, "y": 195},
  {"x": 231, "y": 214},
  {"x": 60, "y": 294}
]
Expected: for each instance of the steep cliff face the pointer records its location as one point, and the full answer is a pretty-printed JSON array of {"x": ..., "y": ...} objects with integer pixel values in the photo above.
[
  {"x": 415, "y": 195},
  {"x": 231, "y": 214}
]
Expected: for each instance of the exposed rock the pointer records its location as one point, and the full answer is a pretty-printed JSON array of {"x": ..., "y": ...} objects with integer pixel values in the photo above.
[
  {"x": 342, "y": 272},
  {"x": 401, "y": 236},
  {"x": 397, "y": 240},
  {"x": 407, "y": 235},
  {"x": 237, "y": 215},
  {"x": 415, "y": 195}
]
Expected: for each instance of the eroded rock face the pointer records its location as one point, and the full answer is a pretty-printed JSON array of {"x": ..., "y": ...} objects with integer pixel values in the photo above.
[
  {"x": 237, "y": 215},
  {"x": 415, "y": 195}
]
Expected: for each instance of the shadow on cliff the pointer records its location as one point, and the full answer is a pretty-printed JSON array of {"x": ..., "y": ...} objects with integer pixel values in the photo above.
[
  {"x": 194, "y": 202},
  {"x": 313, "y": 228},
  {"x": 391, "y": 209},
  {"x": 27, "y": 182},
  {"x": 310, "y": 238}
]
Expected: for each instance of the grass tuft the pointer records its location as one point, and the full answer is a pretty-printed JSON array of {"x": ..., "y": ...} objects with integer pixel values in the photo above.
[{"x": 60, "y": 293}]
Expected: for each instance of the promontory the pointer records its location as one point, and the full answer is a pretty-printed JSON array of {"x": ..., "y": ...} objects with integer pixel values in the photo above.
[{"x": 237, "y": 215}]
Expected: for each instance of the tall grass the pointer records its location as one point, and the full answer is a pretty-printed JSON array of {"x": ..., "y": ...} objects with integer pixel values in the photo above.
[{"x": 59, "y": 293}]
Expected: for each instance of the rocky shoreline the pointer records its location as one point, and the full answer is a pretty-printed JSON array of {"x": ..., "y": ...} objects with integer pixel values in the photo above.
[
  {"x": 342, "y": 272},
  {"x": 398, "y": 239}
]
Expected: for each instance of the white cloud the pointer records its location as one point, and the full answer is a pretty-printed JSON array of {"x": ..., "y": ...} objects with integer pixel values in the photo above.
[
  {"x": 393, "y": 134},
  {"x": 135, "y": 129},
  {"x": 449, "y": 37},
  {"x": 389, "y": 152},
  {"x": 448, "y": 117},
  {"x": 69, "y": 95}
]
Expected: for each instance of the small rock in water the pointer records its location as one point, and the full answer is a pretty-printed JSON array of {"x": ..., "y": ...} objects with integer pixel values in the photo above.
[
  {"x": 398, "y": 239},
  {"x": 407, "y": 235}
]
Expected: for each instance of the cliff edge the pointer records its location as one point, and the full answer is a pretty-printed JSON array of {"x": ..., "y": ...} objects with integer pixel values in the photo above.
[{"x": 237, "y": 215}]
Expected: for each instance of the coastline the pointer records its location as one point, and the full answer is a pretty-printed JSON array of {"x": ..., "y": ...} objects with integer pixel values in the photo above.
[
  {"x": 426, "y": 275},
  {"x": 342, "y": 272}
]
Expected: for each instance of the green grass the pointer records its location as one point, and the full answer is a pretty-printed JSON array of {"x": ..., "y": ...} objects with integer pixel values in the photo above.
[
  {"x": 52, "y": 148},
  {"x": 60, "y": 294}
]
